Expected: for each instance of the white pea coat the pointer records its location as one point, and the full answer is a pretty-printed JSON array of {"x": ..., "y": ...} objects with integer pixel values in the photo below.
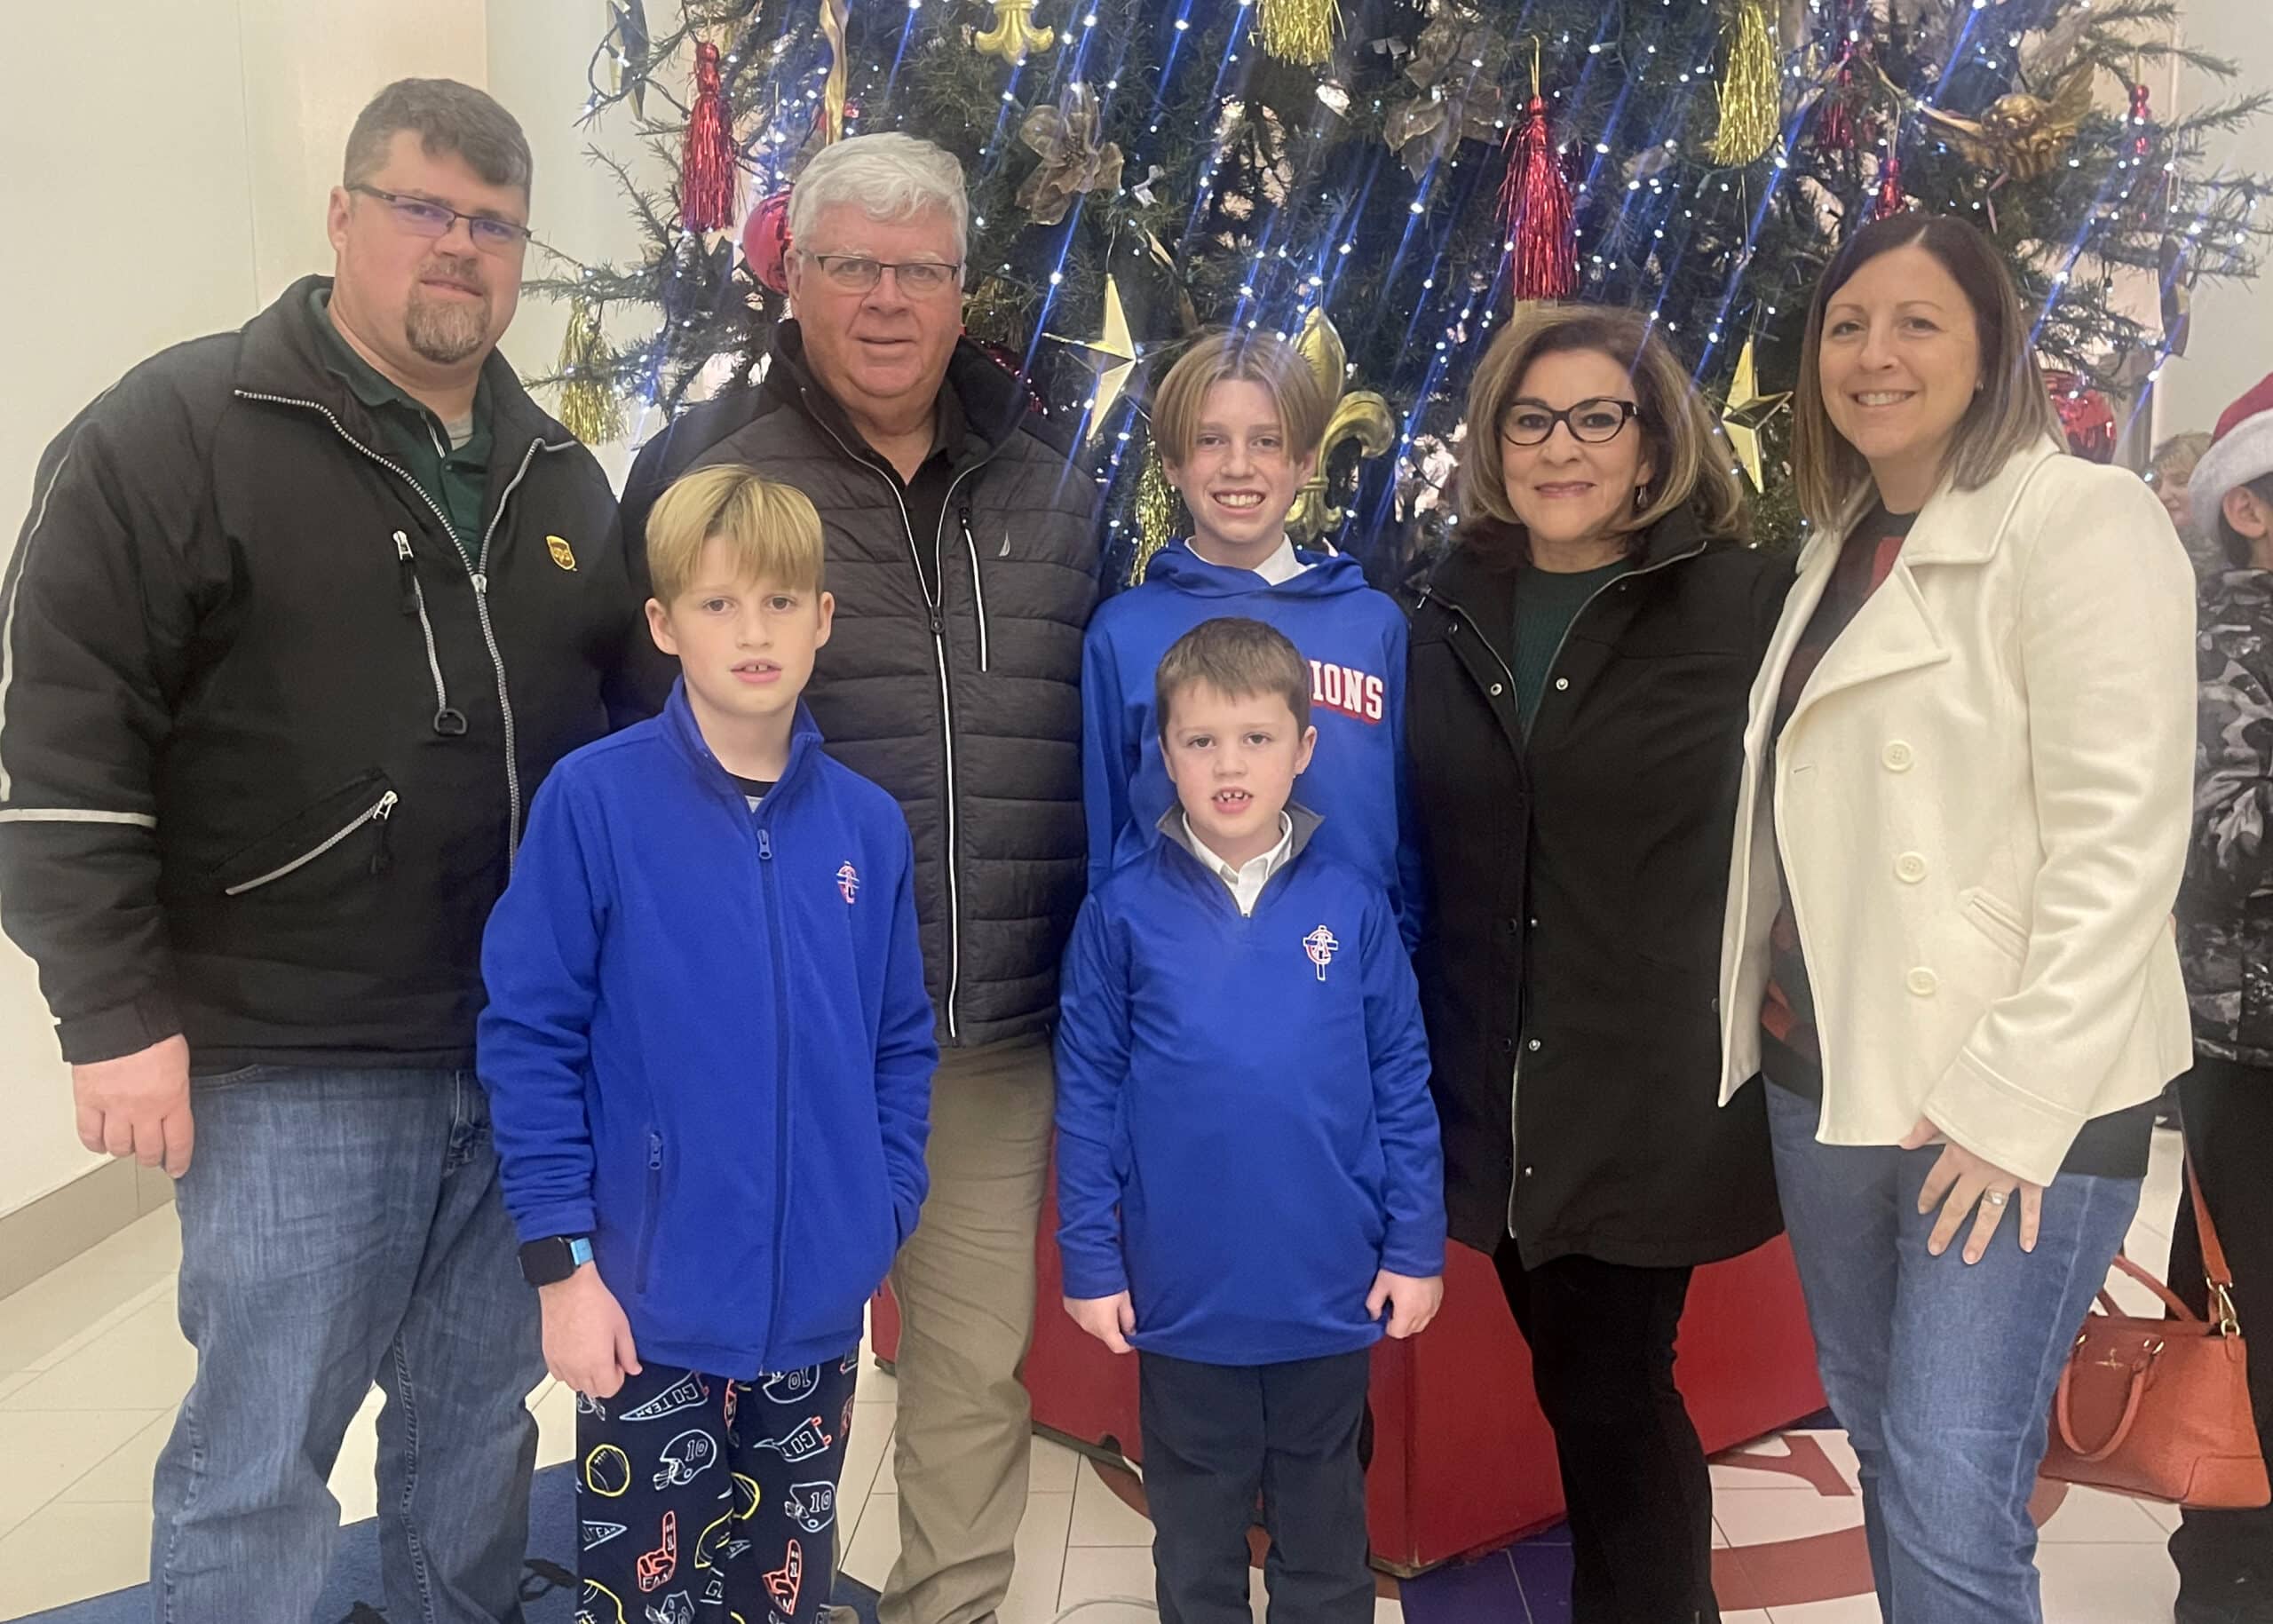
[{"x": 1983, "y": 798}]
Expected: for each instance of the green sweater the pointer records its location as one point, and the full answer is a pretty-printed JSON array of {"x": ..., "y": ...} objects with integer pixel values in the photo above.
[{"x": 1545, "y": 604}]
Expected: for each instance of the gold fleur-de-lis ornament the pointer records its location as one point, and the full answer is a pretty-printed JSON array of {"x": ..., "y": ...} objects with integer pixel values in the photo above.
[
  {"x": 1014, "y": 35},
  {"x": 1361, "y": 416}
]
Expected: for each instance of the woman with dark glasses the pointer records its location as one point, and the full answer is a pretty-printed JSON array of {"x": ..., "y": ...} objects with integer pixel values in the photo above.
[{"x": 1579, "y": 670}]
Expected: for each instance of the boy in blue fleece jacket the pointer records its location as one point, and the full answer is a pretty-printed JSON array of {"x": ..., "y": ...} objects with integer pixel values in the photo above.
[
  {"x": 1247, "y": 1167},
  {"x": 1237, "y": 420},
  {"x": 708, "y": 1054}
]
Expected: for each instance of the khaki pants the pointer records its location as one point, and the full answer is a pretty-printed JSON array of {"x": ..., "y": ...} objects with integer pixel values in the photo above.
[{"x": 965, "y": 1281}]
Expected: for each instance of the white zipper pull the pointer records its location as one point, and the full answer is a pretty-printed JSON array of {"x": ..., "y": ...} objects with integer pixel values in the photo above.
[
  {"x": 385, "y": 807},
  {"x": 481, "y": 584},
  {"x": 402, "y": 546}
]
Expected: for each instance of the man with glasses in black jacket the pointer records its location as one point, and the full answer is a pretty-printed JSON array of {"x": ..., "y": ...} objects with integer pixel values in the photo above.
[{"x": 301, "y": 616}]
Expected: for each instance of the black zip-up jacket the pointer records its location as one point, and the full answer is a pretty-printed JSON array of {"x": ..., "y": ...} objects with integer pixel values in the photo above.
[
  {"x": 267, "y": 738},
  {"x": 1574, "y": 906},
  {"x": 966, "y": 706}
]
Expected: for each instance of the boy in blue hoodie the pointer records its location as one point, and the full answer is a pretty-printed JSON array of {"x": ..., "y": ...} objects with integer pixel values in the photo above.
[
  {"x": 1248, "y": 1177},
  {"x": 1238, "y": 421},
  {"x": 708, "y": 1187}
]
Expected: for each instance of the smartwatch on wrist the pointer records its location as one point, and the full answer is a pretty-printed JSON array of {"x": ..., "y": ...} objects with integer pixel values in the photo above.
[{"x": 552, "y": 1259}]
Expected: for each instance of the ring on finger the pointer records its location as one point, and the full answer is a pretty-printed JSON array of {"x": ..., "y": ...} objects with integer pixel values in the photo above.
[{"x": 1995, "y": 1197}]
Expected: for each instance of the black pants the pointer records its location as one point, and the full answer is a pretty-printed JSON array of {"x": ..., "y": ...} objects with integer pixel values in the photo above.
[
  {"x": 1216, "y": 1436},
  {"x": 1633, "y": 1475},
  {"x": 2223, "y": 1555},
  {"x": 705, "y": 1499}
]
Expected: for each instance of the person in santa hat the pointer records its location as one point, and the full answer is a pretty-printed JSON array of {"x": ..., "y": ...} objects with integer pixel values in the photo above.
[{"x": 2225, "y": 1559}]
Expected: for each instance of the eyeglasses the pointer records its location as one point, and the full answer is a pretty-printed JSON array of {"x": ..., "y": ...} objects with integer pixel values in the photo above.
[
  {"x": 423, "y": 217},
  {"x": 1592, "y": 422},
  {"x": 857, "y": 273}
]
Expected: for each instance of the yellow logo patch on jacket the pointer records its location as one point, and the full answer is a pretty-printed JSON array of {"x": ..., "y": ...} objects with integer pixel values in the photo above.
[{"x": 561, "y": 554}]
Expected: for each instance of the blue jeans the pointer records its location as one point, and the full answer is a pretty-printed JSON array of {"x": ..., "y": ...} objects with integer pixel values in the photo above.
[
  {"x": 1942, "y": 1373},
  {"x": 340, "y": 1227}
]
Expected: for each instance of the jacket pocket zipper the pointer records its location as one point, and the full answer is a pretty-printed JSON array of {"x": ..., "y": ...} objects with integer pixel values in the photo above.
[
  {"x": 448, "y": 721},
  {"x": 378, "y": 812},
  {"x": 647, "y": 1218},
  {"x": 977, "y": 582}
]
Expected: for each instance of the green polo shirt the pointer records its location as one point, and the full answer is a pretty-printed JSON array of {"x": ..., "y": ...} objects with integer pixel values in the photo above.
[{"x": 450, "y": 461}]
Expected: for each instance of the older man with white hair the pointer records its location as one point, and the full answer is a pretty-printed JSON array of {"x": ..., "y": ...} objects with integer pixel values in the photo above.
[{"x": 963, "y": 553}]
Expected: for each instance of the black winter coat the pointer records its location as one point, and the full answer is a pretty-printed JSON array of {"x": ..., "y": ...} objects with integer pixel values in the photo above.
[
  {"x": 1574, "y": 907},
  {"x": 267, "y": 739},
  {"x": 969, "y": 711}
]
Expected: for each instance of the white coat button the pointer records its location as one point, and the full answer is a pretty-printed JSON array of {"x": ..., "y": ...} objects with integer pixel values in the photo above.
[
  {"x": 1496, "y": 690},
  {"x": 1923, "y": 982},
  {"x": 1910, "y": 867},
  {"x": 1897, "y": 756},
  {"x": 1533, "y": 1045},
  {"x": 1561, "y": 684}
]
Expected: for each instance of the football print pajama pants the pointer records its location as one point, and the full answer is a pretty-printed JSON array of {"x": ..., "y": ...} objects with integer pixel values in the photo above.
[{"x": 705, "y": 1500}]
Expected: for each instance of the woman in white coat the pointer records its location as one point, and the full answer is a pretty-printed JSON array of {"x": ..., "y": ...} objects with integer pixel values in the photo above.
[{"x": 1968, "y": 765}]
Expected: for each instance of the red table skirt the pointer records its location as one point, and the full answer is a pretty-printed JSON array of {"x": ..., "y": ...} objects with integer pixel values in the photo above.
[{"x": 1463, "y": 1460}]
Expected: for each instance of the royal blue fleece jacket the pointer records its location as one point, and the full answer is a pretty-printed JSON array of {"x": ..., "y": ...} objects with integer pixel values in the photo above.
[
  {"x": 1245, "y": 1135},
  {"x": 1354, "y": 640},
  {"x": 708, "y": 1045}
]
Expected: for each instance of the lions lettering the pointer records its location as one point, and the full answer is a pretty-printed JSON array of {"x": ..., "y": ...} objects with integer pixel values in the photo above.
[{"x": 1346, "y": 689}]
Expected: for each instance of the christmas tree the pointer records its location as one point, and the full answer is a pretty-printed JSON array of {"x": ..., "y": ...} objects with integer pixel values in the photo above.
[{"x": 1382, "y": 181}]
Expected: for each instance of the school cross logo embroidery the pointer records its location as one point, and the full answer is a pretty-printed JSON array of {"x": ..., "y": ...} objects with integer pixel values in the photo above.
[
  {"x": 562, "y": 555},
  {"x": 848, "y": 881},
  {"x": 1321, "y": 946}
]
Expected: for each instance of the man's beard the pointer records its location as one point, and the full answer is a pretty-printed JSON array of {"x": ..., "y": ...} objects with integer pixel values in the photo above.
[{"x": 447, "y": 333}]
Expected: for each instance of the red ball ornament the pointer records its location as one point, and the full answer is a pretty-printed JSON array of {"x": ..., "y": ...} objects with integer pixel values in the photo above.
[
  {"x": 765, "y": 243},
  {"x": 2085, "y": 417}
]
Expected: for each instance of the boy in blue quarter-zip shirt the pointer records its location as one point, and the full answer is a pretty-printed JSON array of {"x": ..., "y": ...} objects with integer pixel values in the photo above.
[
  {"x": 708, "y": 1187},
  {"x": 1237, "y": 420},
  {"x": 1248, "y": 1178}
]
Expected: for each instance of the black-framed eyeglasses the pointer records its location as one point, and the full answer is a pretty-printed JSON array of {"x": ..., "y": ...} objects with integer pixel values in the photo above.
[
  {"x": 858, "y": 273},
  {"x": 423, "y": 217},
  {"x": 1591, "y": 423}
]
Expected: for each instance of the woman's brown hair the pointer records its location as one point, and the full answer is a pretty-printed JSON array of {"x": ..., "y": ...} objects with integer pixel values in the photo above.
[
  {"x": 1690, "y": 469},
  {"x": 2011, "y": 411}
]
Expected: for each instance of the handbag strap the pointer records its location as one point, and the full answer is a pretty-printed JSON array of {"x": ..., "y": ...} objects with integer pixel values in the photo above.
[
  {"x": 2219, "y": 1275},
  {"x": 2125, "y": 1265}
]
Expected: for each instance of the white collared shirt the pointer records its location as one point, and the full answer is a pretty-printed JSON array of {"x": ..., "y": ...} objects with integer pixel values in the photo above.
[
  {"x": 1279, "y": 568},
  {"x": 1247, "y": 880}
]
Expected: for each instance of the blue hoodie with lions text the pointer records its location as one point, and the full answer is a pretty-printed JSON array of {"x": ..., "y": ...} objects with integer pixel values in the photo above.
[{"x": 1353, "y": 637}]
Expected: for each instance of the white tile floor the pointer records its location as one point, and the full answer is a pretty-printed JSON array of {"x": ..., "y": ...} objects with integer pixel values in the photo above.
[{"x": 92, "y": 1364}]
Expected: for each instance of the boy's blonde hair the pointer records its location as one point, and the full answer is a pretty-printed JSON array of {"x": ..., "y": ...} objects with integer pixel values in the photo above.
[
  {"x": 772, "y": 529},
  {"x": 1217, "y": 358},
  {"x": 1240, "y": 659}
]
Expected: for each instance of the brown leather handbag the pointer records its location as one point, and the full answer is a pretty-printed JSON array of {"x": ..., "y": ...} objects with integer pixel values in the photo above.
[{"x": 2160, "y": 1407}]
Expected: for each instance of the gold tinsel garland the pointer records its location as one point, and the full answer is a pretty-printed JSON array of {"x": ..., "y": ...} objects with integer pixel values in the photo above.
[
  {"x": 1298, "y": 31},
  {"x": 1750, "y": 108},
  {"x": 1156, "y": 511},
  {"x": 590, "y": 407}
]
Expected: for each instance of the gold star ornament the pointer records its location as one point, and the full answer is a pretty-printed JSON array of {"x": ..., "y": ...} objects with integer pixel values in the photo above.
[
  {"x": 1749, "y": 412},
  {"x": 1112, "y": 354}
]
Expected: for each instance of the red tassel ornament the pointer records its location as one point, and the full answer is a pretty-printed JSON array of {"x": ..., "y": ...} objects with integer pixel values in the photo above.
[
  {"x": 1535, "y": 204},
  {"x": 1834, "y": 123},
  {"x": 1890, "y": 201},
  {"x": 707, "y": 170}
]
